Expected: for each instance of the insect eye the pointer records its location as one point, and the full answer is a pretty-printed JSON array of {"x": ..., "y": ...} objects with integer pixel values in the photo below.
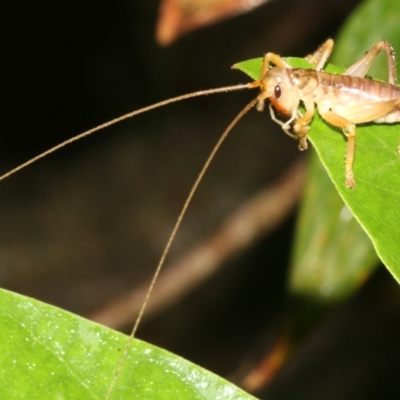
[{"x": 277, "y": 91}]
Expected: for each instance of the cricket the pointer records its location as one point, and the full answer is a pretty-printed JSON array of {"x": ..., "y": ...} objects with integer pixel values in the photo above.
[{"x": 343, "y": 101}]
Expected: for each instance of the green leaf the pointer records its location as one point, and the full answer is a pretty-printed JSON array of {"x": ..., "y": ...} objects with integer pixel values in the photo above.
[
  {"x": 51, "y": 354},
  {"x": 376, "y": 201},
  {"x": 351, "y": 44},
  {"x": 332, "y": 255},
  {"x": 252, "y": 67}
]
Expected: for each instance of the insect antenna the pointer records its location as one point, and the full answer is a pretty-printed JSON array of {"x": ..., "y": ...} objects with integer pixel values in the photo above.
[
  {"x": 188, "y": 200},
  {"x": 127, "y": 116},
  {"x": 174, "y": 232}
]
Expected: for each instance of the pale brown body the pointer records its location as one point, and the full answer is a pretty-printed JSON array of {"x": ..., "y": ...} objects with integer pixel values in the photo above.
[{"x": 342, "y": 100}]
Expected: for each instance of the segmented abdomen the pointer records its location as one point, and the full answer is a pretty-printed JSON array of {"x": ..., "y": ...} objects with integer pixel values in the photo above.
[
  {"x": 346, "y": 90},
  {"x": 357, "y": 90}
]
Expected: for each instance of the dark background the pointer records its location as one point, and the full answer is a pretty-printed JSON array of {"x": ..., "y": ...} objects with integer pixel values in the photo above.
[{"x": 89, "y": 222}]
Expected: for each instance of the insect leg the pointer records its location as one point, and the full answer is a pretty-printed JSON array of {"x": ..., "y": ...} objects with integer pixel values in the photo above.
[
  {"x": 351, "y": 115},
  {"x": 272, "y": 58},
  {"x": 361, "y": 67},
  {"x": 349, "y": 130},
  {"x": 301, "y": 126},
  {"x": 321, "y": 55},
  {"x": 285, "y": 125},
  {"x": 366, "y": 112}
]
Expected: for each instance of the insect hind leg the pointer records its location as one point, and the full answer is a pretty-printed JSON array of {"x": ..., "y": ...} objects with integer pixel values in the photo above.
[{"x": 361, "y": 67}]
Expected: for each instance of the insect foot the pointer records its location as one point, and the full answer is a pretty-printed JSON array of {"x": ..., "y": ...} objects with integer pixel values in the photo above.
[
  {"x": 350, "y": 182},
  {"x": 303, "y": 145}
]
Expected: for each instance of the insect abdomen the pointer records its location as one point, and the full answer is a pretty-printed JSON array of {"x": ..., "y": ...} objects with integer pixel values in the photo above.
[{"x": 359, "y": 89}]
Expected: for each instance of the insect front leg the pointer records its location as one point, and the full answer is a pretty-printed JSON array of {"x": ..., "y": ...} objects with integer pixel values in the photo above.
[
  {"x": 301, "y": 126},
  {"x": 285, "y": 125},
  {"x": 272, "y": 58},
  {"x": 361, "y": 67}
]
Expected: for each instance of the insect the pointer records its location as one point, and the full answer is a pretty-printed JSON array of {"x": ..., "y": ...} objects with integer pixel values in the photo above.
[{"x": 342, "y": 100}]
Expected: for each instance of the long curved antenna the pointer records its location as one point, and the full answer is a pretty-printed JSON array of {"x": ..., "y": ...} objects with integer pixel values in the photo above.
[
  {"x": 127, "y": 116},
  {"x": 172, "y": 237}
]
